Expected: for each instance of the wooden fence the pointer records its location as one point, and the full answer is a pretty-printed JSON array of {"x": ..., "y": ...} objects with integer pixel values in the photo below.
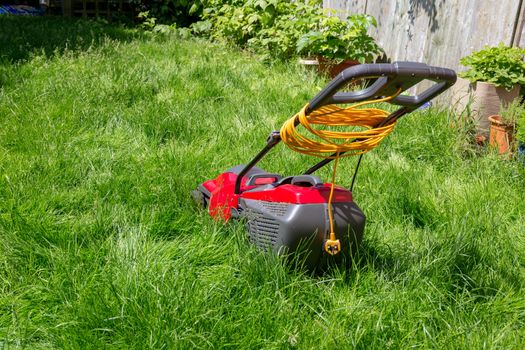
[
  {"x": 92, "y": 8},
  {"x": 439, "y": 32}
]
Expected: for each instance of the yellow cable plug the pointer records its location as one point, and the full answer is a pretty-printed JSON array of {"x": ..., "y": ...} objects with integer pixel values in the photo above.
[{"x": 332, "y": 245}]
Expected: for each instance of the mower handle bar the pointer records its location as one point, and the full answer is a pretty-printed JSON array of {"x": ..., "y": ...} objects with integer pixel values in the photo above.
[{"x": 392, "y": 79}]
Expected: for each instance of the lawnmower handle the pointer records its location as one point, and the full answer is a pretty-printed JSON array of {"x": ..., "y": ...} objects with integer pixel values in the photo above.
[{"x": 390, "y": 79}]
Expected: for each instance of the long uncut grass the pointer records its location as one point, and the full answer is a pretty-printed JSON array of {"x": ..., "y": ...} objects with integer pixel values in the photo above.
[{"x": 105, "y": 131}]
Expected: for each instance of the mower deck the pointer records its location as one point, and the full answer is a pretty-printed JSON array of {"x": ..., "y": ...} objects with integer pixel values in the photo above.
[{"x": 286, "y": 215}]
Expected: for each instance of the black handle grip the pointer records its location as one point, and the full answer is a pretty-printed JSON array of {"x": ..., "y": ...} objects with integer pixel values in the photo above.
[
  {"x": 390, "y": 79},
  {"x": 312, "y": 180}
]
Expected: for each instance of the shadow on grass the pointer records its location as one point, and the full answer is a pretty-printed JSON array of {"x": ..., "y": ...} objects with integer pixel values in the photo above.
[
  {"x": 22, "y": 37},
  {"x": 464, "y": 269},
  {"x": 384, "y": 260},
  {"x": 475, "y": 271},
  {"x": 367, "y": 257}
]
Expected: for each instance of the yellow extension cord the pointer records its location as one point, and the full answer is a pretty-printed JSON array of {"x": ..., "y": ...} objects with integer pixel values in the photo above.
[{"x": 350, "y": 143}]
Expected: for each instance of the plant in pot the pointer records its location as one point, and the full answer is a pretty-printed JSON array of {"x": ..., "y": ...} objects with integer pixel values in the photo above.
[
  {"x": 503, "y": 126},
  {"x": 339, "y": 43},
  {"x": 495, "y": 75}
]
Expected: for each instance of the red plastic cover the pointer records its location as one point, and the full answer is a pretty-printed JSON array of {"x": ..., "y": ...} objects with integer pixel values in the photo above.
[{"x": 223, "y": 198}]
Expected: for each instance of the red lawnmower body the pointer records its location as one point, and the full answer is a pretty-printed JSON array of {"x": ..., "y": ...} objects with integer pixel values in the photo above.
[{"x": 223, "y": 200}]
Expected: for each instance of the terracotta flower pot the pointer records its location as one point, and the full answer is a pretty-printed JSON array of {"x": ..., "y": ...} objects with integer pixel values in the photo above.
[
  {"x": 330, "y": 68},
  {"x": 501, "y": 134}
]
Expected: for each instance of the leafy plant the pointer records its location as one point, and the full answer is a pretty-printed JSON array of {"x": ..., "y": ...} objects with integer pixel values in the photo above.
[
  {"x": 268, "y": 27},
  {"x": 148, "y": 22},
  {"x": 150, "y": 25},
  {"x": 513, "y": 115},
  {"x": 513, "y": 112},
  {"x": 292, "y": 20},
  {"x": 181, "y": 12},
  {"x": 339, "y": 39},
  {"x": 501, "y": 65},
  {"x": 282, "y": 29}
]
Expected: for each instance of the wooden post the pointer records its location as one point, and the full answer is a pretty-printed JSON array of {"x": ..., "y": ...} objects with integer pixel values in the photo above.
[
  {"x": 67, "y": 8},
  {"x": 518, "y": 25}
]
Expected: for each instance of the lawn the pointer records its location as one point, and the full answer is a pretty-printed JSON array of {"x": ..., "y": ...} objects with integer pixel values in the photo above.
[{"x": 104, "y": 131}]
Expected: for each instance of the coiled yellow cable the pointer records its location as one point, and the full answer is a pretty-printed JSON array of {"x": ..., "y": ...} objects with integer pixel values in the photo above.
[
  {"x": 354, "y": 142},
  {"x": 331, "y": 144}
]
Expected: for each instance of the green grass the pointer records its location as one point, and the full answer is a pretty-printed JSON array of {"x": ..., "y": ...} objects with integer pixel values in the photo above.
[{"x": 101, "y": 246}]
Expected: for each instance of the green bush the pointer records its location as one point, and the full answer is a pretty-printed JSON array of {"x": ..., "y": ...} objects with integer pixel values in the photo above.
[
  {"x": 272, "y": 28},
  {"x": 269, "y": 27},
  {"x": 279, "y": 37},
  {"x": 181, "y": 12},
  {"x": 339, "y": 39},
  {"x": 501, "y": 65},
  {"x": 281, "y": 29}
]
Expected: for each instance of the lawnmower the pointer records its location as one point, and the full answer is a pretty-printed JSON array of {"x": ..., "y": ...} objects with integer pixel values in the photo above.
[{"x": 302, "y": 213}]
